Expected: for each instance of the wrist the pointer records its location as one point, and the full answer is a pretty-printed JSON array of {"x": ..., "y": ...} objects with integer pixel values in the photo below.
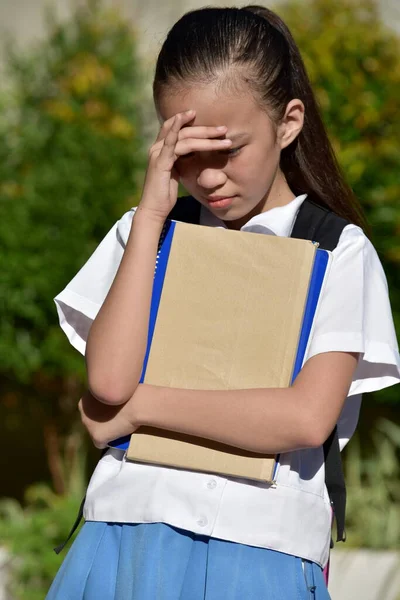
[
  {"x": 146, "y": 405},
  {"x": 149, "y": 215},
  {"x": 146, "y": 229}
]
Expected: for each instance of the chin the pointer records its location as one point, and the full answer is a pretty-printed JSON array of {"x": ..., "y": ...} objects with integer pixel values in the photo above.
[
  {"x": 238, "y": 211},
  {"x": 234, "y": 213}
]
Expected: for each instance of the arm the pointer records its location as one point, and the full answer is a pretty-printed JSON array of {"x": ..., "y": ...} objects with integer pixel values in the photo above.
[
  {"x": 117, "y": 339},
  {"x": 265, "y": 421}
]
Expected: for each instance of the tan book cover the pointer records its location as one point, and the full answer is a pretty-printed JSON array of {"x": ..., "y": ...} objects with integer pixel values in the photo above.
[{"x": 229, "y": 314}]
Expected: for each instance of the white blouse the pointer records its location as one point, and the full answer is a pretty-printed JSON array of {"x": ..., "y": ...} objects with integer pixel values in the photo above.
[{"x": 294, "y": 517}]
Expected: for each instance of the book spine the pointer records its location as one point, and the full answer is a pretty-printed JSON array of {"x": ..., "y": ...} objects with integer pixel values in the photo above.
[
  {"x": 164, "y": 249},
  {"x": 321, "y": 260},
  {"x": 314, "y": 290}
]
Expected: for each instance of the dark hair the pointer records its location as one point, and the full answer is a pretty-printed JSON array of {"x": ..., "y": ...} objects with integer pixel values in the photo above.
[{"x": 252, "y": 44}]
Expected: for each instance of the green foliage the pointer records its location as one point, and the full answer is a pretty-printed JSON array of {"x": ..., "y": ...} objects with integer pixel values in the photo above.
[
  {"x": 353, "y": 61},
  {"x": 70, "y": 163},
  {"x": 31, "y": 532},
  {"x": 373, "y": 485}
]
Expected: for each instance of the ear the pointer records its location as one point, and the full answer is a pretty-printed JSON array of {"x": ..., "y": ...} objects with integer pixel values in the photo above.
[{"x": 291, "y": 124}]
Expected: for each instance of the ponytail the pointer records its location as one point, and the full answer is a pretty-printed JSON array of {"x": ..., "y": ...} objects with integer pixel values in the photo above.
[{"x": 309, "y": 163}]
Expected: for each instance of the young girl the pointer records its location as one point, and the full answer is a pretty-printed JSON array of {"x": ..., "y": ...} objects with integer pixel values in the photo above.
[{"x": 241, "y": 131}]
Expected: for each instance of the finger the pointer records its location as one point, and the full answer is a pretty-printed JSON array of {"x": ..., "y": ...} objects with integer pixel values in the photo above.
[
  {"x": 191, "y": 132},
  {"x": 156, "y": 148},
  {"x": 202, "y": 132},
  {"x": 186, "y": 118},
  {"x": 167, "y": 156},
  {"x": 164, "y": 129},
  {"x": 195, "y": 145},
  {"x": 184, "y": 147}
]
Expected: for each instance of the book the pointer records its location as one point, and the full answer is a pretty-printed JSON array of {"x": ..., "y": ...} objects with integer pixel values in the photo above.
[{"x": 229, "y": 310}]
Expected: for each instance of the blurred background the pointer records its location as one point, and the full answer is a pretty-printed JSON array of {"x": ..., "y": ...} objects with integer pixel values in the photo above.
[{"x": 76, "y": 119}]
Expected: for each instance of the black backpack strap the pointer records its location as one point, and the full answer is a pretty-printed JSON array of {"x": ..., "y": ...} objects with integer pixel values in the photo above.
[
  {"x": 187, "y": 210},
  {"x": 335, "y": 483},
  {"x": 319, "y": 224},
  {"x": 78, "y": 519},
  {"x": 74, "y": 527}
]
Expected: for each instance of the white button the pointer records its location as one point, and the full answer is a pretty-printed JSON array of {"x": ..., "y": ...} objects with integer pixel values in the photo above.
[
  {"x": 202, "y": 522},
  {"x": 212, "y": 484}
]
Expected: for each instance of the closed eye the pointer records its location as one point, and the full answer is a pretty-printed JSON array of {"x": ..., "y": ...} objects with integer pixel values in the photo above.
[{"x": 231, "y": 151}]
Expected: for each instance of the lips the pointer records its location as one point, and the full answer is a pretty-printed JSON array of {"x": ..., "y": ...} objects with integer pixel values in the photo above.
[
  {"x": 216, "y": 198},
  {"x": 220, "y": 201}
]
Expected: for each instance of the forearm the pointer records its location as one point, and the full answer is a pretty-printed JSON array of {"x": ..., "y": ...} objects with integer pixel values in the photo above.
[
  {"x": 265, "y": 421},
  {"x": 117, "y": 339}
]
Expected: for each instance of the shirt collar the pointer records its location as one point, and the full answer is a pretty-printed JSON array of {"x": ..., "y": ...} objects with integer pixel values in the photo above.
[{"x": 276, "y": 221}]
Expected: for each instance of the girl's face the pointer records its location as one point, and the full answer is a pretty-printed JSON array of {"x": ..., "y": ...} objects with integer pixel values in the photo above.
[{"x": 247, "y": 174}]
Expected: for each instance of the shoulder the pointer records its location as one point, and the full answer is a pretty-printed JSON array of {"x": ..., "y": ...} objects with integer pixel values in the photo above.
[
  {"x": 357, "y": 267},
  {"x": 355, "y": 247},
  {"x": 352, "y": 236}
]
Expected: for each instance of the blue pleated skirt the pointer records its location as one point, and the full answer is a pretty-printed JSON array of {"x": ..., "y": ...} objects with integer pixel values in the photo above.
[{"x": 155, "y": 561}]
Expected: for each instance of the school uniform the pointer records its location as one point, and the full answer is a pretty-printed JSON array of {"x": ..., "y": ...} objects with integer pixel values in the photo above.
[{"x": 175, "y": 534}]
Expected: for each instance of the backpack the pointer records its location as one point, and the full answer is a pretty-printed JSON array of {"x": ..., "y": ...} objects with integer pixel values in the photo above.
[{"x": 317, "y": 224}]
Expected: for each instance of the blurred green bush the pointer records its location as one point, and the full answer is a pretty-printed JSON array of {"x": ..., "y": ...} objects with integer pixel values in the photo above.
[
  {"x": 30, "y": 532},
  {"x": 373, "y": 489},
  {"x": 71, "y": 162},
  {"x": 71, "y": 157}
]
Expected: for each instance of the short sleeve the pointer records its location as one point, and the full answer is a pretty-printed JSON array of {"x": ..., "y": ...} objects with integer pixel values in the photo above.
[
  {"x": 78, "y": 304},
  {"x": 354, "y": 314}
]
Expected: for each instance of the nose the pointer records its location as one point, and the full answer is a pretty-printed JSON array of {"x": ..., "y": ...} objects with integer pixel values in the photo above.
[{"x": 211, "y": 178}]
